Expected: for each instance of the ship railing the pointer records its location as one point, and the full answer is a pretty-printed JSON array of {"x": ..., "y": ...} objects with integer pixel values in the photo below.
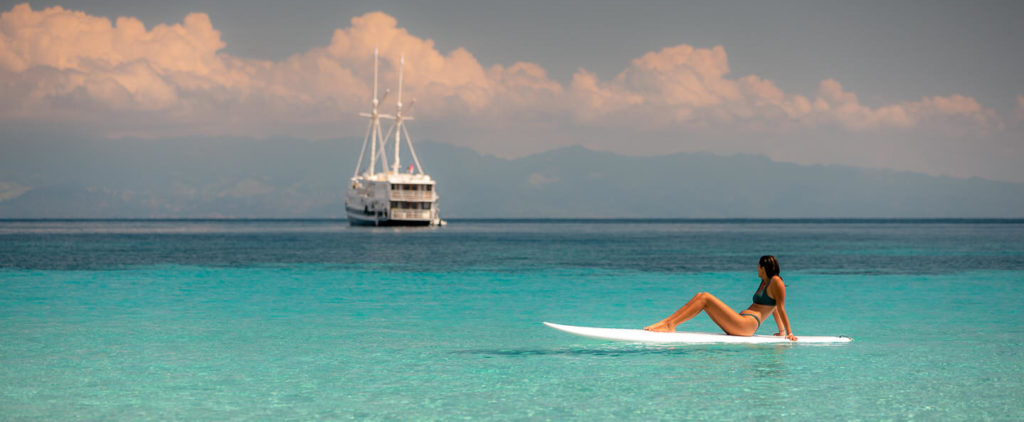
[
  {"x": 413, "y": 196},
  {"x": 399, "y": 214}
]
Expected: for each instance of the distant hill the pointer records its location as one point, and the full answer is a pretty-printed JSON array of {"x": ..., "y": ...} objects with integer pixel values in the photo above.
[{"x": 283, "y": 178}]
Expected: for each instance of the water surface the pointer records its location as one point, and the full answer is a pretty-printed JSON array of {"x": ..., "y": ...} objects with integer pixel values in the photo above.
[{"x": 301, "y": 320}]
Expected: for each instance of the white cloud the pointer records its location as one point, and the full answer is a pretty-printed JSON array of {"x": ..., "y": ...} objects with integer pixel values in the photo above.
[
  {"x": 10, "y": 190},
  {"x": 66, "y": 67},
  {"x": 683, "y": 85},
  {"x": 59, "y": 64}
]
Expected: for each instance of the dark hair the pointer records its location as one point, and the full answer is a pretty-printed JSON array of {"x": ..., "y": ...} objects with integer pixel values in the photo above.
[{"x": 770, "y": 265}]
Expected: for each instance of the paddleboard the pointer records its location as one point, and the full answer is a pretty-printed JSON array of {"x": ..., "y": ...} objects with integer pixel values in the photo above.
[{"x": 641, "y": 336}]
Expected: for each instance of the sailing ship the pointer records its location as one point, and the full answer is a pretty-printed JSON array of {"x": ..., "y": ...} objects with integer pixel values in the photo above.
[{"x": 390, "y": 197}]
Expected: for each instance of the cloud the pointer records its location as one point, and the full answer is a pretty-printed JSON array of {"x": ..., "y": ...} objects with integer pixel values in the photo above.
[
  {"x": 119, "y": 78},
  {"x": 10, "y": 190},
  {"x": 172, "y": 79},
  {"x": 835, "y": 105},
  {"x": 683, "y": 85},
  {"x": 62, "y": 64}
]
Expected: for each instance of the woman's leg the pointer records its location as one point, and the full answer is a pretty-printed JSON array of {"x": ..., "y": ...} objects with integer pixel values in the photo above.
[{"x": 729, "y": 320}]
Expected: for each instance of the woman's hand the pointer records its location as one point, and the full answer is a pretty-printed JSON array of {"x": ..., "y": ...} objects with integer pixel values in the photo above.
[
  {"x": 791, "y": 337},
  {"x": 778, "y": 334}
]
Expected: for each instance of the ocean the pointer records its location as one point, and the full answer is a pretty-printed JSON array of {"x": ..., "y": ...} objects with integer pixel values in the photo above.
[{"x": 218, "y": 320}]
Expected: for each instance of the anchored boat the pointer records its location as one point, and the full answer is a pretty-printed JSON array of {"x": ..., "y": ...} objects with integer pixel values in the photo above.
[{"x": 390, "y": 197}]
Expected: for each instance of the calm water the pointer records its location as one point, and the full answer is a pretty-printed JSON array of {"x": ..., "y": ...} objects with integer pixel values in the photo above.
[{"x": 307, "y": 320}]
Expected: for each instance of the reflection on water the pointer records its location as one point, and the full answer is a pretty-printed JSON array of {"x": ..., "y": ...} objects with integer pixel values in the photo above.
[{"x": 770, "y": 363}]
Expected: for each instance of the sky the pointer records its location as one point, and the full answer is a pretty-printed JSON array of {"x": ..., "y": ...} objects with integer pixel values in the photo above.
[{"x": 935, "y": 87}]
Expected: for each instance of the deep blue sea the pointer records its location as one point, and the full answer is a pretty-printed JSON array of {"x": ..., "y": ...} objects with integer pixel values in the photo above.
[{"x": 316, "y": 320}]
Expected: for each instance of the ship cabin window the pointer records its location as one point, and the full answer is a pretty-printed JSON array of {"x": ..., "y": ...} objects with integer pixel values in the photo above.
[
  {"x": 428, "y": 188},
  {"x": 404, "y": 205},
  {"x": 405, "y": 187}
]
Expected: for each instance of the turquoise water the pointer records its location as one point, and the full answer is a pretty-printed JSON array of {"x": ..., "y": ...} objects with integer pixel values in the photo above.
[{"x": 313, "y": 320}]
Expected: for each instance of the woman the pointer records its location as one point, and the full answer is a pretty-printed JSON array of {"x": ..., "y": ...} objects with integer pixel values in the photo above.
[{"x": 769, "y": 299}]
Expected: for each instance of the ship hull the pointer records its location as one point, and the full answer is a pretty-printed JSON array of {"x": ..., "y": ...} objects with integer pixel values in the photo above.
[
  {"x": 360, "y": 218},
  {"x": 388, "y": 223}
]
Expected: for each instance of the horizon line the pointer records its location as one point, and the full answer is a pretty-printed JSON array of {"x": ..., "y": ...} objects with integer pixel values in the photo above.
[{"x": 556, "y": 220}]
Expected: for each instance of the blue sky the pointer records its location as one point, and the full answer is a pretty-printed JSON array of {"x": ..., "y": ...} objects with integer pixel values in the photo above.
[{"x": 934, "y": 87}]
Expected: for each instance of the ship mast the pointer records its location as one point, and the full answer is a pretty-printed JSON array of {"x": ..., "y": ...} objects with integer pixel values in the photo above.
[
  {"x": 398, "y": 116},
  {"x": 373, "y": 133},
  {"x": 399, "y": 126}
]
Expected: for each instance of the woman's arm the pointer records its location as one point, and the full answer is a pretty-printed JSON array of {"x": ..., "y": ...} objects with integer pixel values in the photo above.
[
  {"x": 779, "y": 292},
  {"x": 778, "y": 321}
]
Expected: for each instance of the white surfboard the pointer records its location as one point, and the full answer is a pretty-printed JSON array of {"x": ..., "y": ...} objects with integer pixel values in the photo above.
[{"x": 641, "y": 336}]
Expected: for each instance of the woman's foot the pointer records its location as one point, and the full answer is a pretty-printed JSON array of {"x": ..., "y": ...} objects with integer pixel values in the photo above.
[{"x": 662, "y": 326}]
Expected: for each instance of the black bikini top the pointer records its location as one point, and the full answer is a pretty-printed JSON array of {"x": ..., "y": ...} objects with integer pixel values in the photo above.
[{"x": 761, "y": 296}]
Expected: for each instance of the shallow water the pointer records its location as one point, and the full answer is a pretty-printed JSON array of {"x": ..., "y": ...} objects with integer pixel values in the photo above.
[{"x": 300, "y": 320}]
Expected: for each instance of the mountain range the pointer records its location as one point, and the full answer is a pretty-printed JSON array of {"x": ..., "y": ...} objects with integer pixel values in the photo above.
[{"x": 287, "y": 178}]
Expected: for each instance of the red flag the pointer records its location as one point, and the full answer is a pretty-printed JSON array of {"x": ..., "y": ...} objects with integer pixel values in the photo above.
[{"x": 410, "y": 167}]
